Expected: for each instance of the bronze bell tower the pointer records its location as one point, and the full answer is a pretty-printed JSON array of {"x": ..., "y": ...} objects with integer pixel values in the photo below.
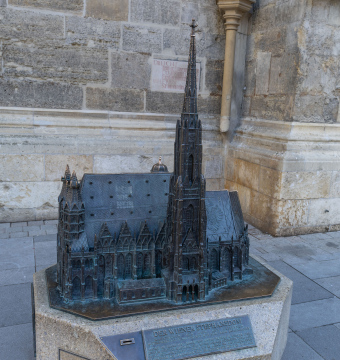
[{"x": 186, "y": 208}]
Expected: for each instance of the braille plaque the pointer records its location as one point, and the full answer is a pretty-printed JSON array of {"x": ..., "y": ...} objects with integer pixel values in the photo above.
[{"x": 198, "y": 339}]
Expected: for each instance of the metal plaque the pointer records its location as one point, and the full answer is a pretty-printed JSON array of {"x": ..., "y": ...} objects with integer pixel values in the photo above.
[
  {"x": 125, "y": 346},
  {"x": 198, "y": 339}
]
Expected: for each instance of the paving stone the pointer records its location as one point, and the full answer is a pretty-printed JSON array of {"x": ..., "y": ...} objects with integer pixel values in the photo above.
[
  {"x": 23, "y": 223},
  {"x": 315, "y": 313},
  {"x": 41, "y": 238},
  {"x": 16, "y": 253},
  {"x": 19, "y": 234},
  {"x": 35, "y": 223},
  {"x": 297, "y": 349},
  {"x": 16, "y": 342},
  {"x": 332, "y": 284},
  {"x": 16, "y": 276},
  {"x": 45, "y": 253},
  {"x": 304, "y": 289},
  {"x": 319, "y": 269},
  {"x": 15, "y": 303},
  {"x": 324, "y": 340},
  {"x": 51, "y": 222}
]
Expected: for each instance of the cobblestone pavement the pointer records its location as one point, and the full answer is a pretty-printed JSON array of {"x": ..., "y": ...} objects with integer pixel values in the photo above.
[{"x": 311, "y": 261}]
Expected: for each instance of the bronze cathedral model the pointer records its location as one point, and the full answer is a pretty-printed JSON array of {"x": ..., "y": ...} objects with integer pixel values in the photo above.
[{"x": 134, "y": 237}]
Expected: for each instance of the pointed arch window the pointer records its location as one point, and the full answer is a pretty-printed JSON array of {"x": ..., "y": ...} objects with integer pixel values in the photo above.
[{"x": 191, "y": 169}]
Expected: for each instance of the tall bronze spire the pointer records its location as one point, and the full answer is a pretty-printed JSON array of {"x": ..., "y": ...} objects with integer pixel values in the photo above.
[{"x": 189, "y": 111}]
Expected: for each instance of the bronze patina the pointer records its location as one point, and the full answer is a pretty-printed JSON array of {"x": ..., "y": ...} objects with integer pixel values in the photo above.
[{"x": 132, "y": 239}]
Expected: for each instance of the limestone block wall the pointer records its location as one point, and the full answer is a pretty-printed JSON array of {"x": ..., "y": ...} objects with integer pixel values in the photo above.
[
  {"x": 77, "y": 86},
  {"x": 284, "y": 158}
]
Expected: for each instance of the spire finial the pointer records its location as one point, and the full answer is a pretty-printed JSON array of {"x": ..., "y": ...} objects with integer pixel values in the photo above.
[{"x": 189, "y": 112}]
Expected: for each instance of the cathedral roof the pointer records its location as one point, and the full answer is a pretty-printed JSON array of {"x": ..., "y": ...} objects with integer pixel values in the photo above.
[{"x": 116, "y": 198}]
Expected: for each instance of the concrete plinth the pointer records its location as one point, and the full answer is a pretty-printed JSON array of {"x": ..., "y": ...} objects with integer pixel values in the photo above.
[{"x": 63, "y": 336}]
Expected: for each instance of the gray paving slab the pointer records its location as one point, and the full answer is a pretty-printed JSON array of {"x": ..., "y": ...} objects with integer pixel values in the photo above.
[
  {"x": 332, "y": 284},
  {"x": 319, "y": 269},
  {"x": 45, "y": 253},
  {"x": 16, "y": 342},
  {"x": 297, "y": 349},
  {"x": 16, "y": 253},
  {"x": 15, "y": 303},
  {"x": 16, "y": 276},
  {"x": 315, "y": 313},
  {"x": 304, "y": 289},
  {"x": 325, "y": 340},
  {"x": 42, "y": 238}
]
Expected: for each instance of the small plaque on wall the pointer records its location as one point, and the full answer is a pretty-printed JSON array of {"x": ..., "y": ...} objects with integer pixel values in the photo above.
[
  {"x": 170, "y": 75},
  {"x": 184, "y": 341}
]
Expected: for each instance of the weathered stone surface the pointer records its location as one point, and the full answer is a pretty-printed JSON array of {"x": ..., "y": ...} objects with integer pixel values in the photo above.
[
  {"x": 208, "y": 45},
  {"x": 262, "y": 72},
  {"x": 31, "y": 25},
  {"x": 278, "y": 107},
  {"x": 211, "y": 19},
  {"x": 114, "y": 99},
  {"x": 292, "y": 213},
  {"x": 142, "y": 39},
  {"x": 156, "y": 11},
  {"x": 3, "y": 3},
  {"x": 92, "y": 32},
  {"x": 48, "y": 95},
  {"x": 214, "y": 76},
  {"x": 190, "y": 10},
  {"x": 59, "y": 5},
  {"x": 21, "y": 168},
  {"x": 270, "y": 182},
  {"x": 209, "y": 104},
  {"x": 55, "y": 165},
  {"x": 246, "y": 173},
  {"x": 213, "y": 167},
  {"x": 162, "y": 102},
  {"x": 324, "y": 211},
  {"x": 55, "y": 61},
  {"x": 117, "y": 10},
  {"x": 131, "y": 71},
  {"x": 25, "y": 195}
]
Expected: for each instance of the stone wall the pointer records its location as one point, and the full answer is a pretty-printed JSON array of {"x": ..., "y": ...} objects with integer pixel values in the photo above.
[
  {"x": 284, "y": 158},
  {"x": 76, "y": 87}
]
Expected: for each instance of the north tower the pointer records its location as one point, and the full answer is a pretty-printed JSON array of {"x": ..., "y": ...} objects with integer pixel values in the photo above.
[{"x": 186, "y": 208}]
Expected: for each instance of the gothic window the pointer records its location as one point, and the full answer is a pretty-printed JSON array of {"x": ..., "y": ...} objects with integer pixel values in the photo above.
[
  {"x": 185, "y": 264},
  {"x": 139, "y": 266},
  {"x": 227, "y": 261},
  {"x": 147, "y": 265},
  {"x": 128, "y": 266},
  {"x": 88, "y": 287},
  {"x": 235, "y": 257},
  {"x": 190, "y": 217},
  {"x": 196, "y": 292},
  {"x": 120, "y": 266},
  {"x": 76, "y": 288},
  {"x": 184, "y": 294},
  {"x": 91, "y": 264},
  {"x": 101, "y": 276},
  {"x": 78, "y": 266},
  {"x": 108, "y": 265},
  {"x": 214, "y": 260},
  {"x": 193, "y": 264},
  {"x": 87, "y": 264},
  {"x": 158, "y": 264},
  {"x": 191, "y": 169}
]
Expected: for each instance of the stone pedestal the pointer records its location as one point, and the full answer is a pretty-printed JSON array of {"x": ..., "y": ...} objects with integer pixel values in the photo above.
[{"x": 63, "y": 336}]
